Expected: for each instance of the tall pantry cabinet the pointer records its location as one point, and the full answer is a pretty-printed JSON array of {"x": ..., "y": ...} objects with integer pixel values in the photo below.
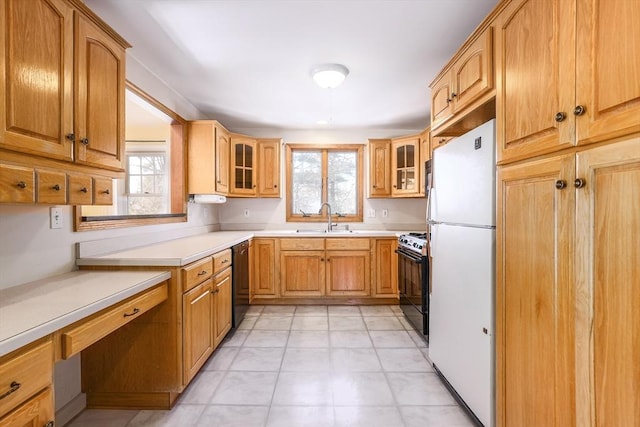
[{"x": 568, "y": 263}]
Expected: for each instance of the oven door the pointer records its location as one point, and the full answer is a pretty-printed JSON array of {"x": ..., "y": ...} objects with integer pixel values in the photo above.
[{"x": 413, "y": 289}]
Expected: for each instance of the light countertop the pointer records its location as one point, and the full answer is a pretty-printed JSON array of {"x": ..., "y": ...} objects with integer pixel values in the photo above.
[
  {"x": 31, "y": 311},
  {"x": 180, "y": 252}
]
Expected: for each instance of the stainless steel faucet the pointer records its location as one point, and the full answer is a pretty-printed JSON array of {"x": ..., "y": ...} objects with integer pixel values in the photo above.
[{"x": 329, "y": 224}]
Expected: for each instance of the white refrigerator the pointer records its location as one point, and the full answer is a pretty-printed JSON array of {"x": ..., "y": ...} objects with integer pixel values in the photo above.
[{"x": 461, "y": 218}]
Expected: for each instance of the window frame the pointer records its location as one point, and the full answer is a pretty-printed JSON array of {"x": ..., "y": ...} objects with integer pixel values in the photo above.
[{"x": 325, "y": 149}]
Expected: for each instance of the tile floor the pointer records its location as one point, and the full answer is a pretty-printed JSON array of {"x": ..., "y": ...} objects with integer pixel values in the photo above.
[{"x": 304, "y": 366}]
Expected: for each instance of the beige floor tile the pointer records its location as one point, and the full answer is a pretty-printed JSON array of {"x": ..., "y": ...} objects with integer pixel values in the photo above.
[
  {"x": 354, "y": 360},
  {"x": 260, "y": 338},
  {"x": 233, "y": 416},
  {"x": 368, "y": 416},
  {"x": 257, "y": 359},
  {"x": 221, "y": 359},
  {"x": 103, "y": 418},
  {"x": 376, "y": 310},
  {"x": 383, "y": 323},
  {"x": 254, "y": 310},
  {"x": 278, "y": 310},
  {"x": 418, "y": 339},
  {"x": 247, "y": 323},
  {"x": 245, "y": 388},
  {"x": 183, "y": 415},
  {"x": 403, "y": 360},
  {"x": 301, "y": 416},
  {"x": 311, "y": 310},
  {"x": 419, "y": 389},
  {"x": 310, "y": 323},
  {"x": 308, "y": 339},
  {"x": 361, "y": 388},
  {"x": 350, "y": 339},
  {"x": 391, "y": 339},
  {"x": 201, "y": 388},
  {"x": 236, "y": 339},
  {"x": 274, "y": 323},
  {"x": 303, "y": 388},
  {"x": 423, "y": 416},
  {"x": 306, "y": 360},
  {"x": 343, "y": 310},
  {"x": 346, "y": 323}
]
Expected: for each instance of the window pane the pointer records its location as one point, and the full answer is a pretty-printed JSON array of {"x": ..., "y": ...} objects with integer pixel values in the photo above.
[
  {"x": 147, "y": 165},
  {"x": 248, "y": 156},
  {"x": 342, "y": 182},
  {"x": 411, "y": 156},
  {"x": 134, "y": 165},
  {"x": 134, "y": 185},
  {"x": 248, "y": 179},
  {"x": 400, "y": 157},
  {"x": 147, "y": 184},
  {"x": 306, "y": 177}
]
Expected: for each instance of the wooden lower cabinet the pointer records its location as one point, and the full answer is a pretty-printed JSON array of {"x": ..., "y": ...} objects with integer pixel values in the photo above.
[
  {"x": 348, "y": 273},
  {"x": 567, "y": 323},
  {"x": 263, "y": 264},
  {"x": 221, "y": 306},
  {"x": 197, "y": 310},
  {"x": 37, "y": 412},
  {"x": 302, "y": 273},
  {"x": 385, "y": 268}
]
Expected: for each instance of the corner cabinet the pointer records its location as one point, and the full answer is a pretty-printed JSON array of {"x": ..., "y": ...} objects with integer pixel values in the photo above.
[
  {"x": 68, "y": 116},
  {"x": 586, "y": 59}
]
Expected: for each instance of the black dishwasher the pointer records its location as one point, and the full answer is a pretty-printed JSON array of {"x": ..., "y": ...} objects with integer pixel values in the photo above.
[{"x": 240, "y": 281}]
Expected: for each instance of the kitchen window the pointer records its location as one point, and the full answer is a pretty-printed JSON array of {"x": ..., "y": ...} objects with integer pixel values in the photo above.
[
  {"x": 318, "y": 174},
  {"x": 146, "y": 183}
]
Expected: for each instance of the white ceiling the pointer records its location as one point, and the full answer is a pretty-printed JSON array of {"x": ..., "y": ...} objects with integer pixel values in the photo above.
[{"x": 247, "y": 63}]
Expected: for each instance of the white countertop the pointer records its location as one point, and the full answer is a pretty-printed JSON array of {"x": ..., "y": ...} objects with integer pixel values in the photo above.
[
  {"x": 180, "y": 252},
  {"x": 31, "y": 311}
]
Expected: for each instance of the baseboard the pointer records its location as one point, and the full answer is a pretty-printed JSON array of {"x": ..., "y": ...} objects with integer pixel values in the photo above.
[{"x": 71, "y": 409}]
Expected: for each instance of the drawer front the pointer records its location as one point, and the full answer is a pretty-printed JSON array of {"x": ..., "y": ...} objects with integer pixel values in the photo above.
[
  {"x": 102, "y": 191},
  {"x": 80, "y": 190},
  {"x": 196, "y": 273},
  {"x": 52, "y": 187},
  {"x": 310, "y": 244},
  {"x": 17, "y": 184},
  {"x": 221, "y": 260},
  {"x": 348, "y": 243},
  {"x": 26, "y": 373},
  {"x": 82, "y": 334}
]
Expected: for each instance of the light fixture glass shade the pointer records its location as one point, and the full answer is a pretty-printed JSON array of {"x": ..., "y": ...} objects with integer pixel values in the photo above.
[{"x": 329, "y": 76}]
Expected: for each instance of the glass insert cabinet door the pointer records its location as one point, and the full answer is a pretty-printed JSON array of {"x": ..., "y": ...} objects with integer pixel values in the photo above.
[
  {"x": 405, "y": 174},
  {"x": 243, "y": 165}
]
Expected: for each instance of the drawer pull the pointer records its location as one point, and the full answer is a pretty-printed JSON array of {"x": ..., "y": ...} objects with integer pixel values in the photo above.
[
  {"x": 215, "y": 291},
  {"x": 21, "y": 184},
  {"x": 56, "y": 187},
  {"x": 224, "y": 261},
  {"x": 135, "y": 311},
  {"x": 14, "y": 387},
  {"x": 83, "y": 190},
  {"x": 202, "y": 273}
]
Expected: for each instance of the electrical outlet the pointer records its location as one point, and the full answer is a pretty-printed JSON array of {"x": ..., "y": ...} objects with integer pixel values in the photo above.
[
  {"x": 246, "y": 213},
  {"x": 372, "y": 213},
  {"x": 385, "y": 213},
  {"x": 55, "y": 217}
]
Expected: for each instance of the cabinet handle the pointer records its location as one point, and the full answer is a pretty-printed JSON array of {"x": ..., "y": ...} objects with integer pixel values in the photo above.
[
  {"x": 579, "y": 183},
  {"x": 202, "y": 273},
  {"x": 21, "y": 184},
  {"x": 106, "y": 191},
  {"x": 215, "y": 291},
  {"x": 224, "y": 261},
  {"x": 14, "y": 387},
  {"x": 395, "y": 186},
  {"x": 254, "y": 186},
  {"x": 49, "y": 424},
  {"x": 443, "y": 140},
  {"x": 321, "y": 259},
  {"x": 275, "y": 185},
  {"x": 56, "y": 187},
  {"x": 579, "y": 110},
  {"x": 219, "y": 182},
  {"x": 71, "y": 137},
  {"x": 133, "y": 313},
  {"x": 449, "y": 100},
  {"x": 453, "y": 95},
  {"x": 560, "y": 184},
  {"x": 375, "y": 186},
  {"x": 85, "y": 141},
  {"x": 560, "y": 116},
  {"x": 83, "y": 190}
]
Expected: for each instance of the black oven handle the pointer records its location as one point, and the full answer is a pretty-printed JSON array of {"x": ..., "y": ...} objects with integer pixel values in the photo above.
[{"x": 411, "y": 256}]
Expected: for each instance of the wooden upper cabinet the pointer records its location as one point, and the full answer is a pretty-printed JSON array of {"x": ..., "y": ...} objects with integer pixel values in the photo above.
[
  {"x": 607, "y": 69},
  {"x": 269, "y": 167},
  {"x": 38, "y": 109},
  {"x": 535, "y": 294},
  {"x": 71, "y": 106},
  {"x": 535, "y": 78},
  {"x": 222, "y": 147},
  {"x": 379, "y": 168},
  {"x": 405, "y": 166},
  {"x": 100, "y": 84},
  {"x": 465, "y": 84},
  {"x": 243, "y": 166}
]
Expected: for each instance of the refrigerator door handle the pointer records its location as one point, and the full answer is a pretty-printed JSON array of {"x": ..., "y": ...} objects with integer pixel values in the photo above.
[
  {"x": 434, "y": 239},
  {"x": 432, "y": 194}
]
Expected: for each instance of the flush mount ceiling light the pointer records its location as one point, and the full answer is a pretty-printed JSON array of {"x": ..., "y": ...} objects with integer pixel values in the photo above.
[{"x": 329, "y": 76}]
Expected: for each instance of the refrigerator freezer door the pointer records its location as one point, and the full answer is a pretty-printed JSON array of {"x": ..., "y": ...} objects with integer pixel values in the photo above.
[
  {"x": 461, "y": 310},
  {"x": 465, "y": 178}
]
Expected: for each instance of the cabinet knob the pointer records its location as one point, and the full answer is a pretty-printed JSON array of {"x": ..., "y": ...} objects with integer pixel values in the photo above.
[
  {"x": 395, "y": 186},
  {"x": 107, "y": 191},
  {"x": 579, "y": 110},
  {"x": 56, "y": 187},
  {"x": 449, "y": 100},
  {"x": 85, "y": 141},
  {"x": 21, "y": 184},
  {"x": 83, "y": 190},
  {"x": 579, "y": 183},
  {"x": 375, "y": 186},
  {"x": 560, "y": 184},
  {"x": 71, "y": 137},
  {"x": 49, "y": 424},
  {"x": 560, "y": 116},
  {"x": 275, "y": 185},
  {"x": 453, "y": 95},
  {"x": 219, "y": 182}
]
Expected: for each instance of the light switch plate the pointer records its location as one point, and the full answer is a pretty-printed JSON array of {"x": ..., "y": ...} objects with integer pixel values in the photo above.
[
  {"x": 55, "y": 217},
  {"x": 385, "y": 213}
]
